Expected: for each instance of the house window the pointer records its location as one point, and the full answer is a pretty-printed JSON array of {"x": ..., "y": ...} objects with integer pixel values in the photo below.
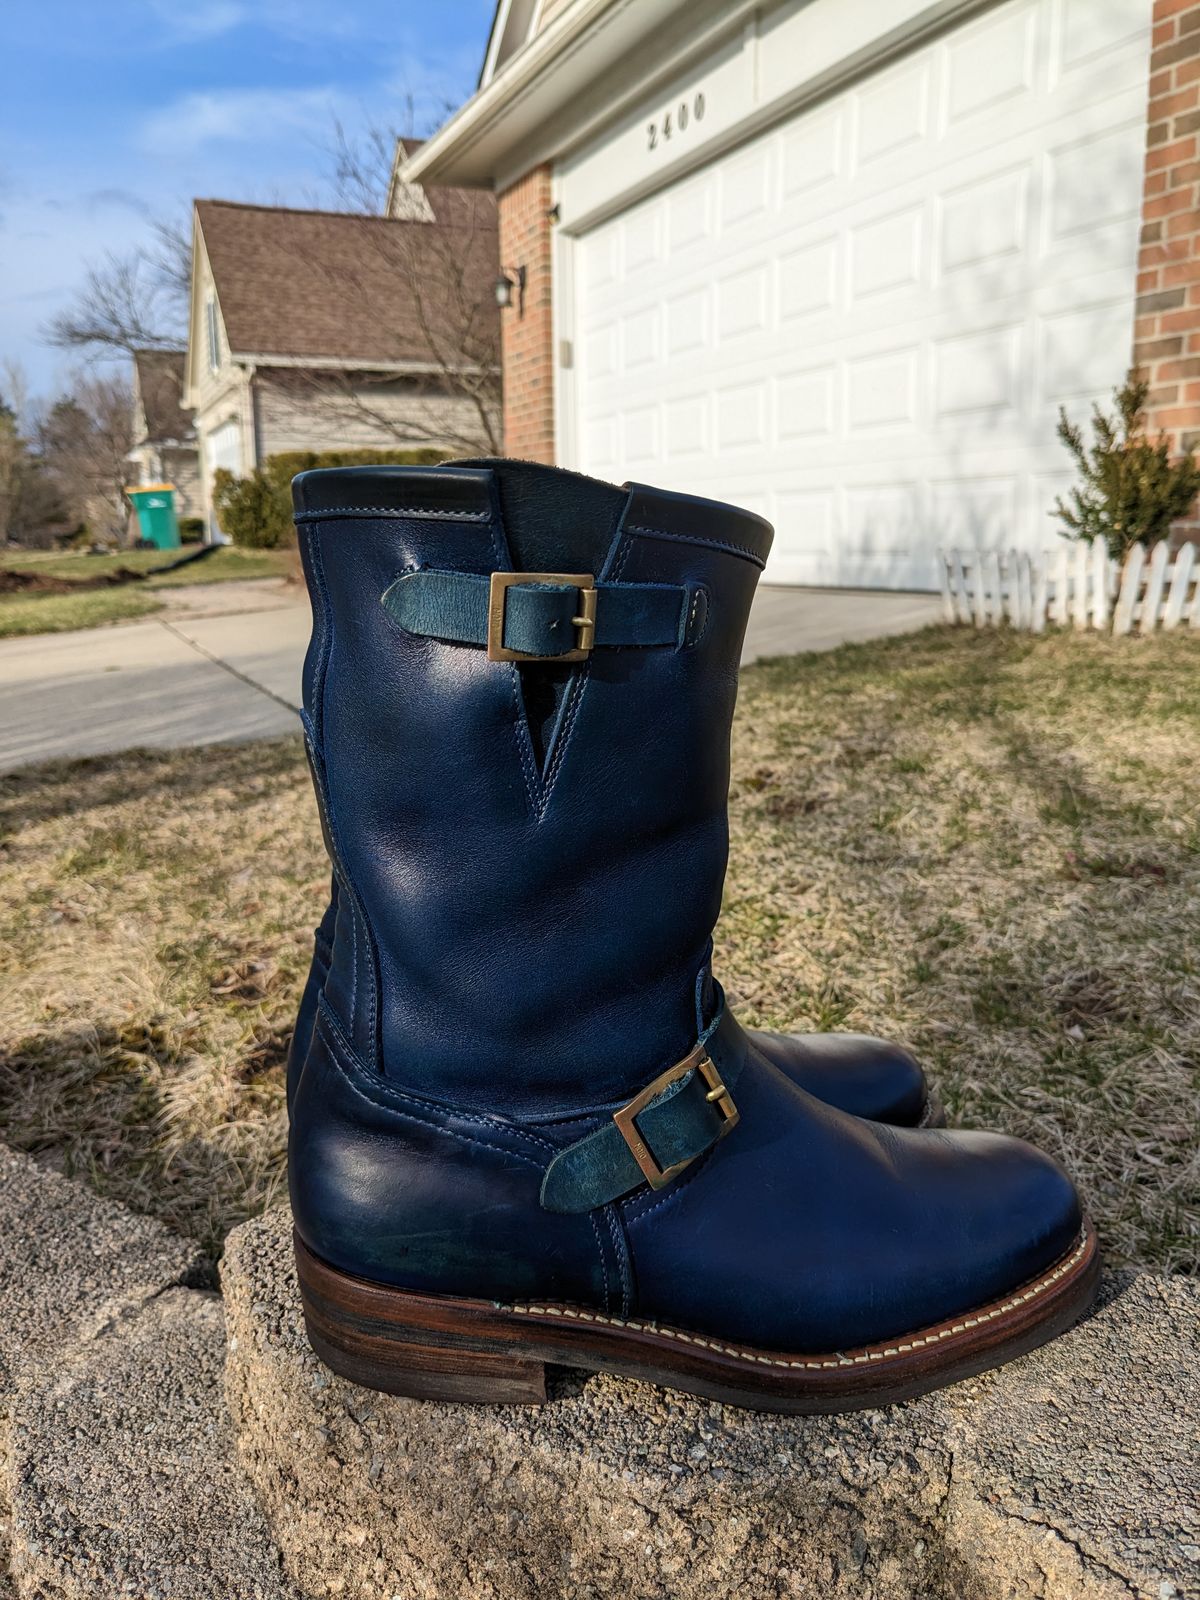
[{"x": 214, "y": 338}]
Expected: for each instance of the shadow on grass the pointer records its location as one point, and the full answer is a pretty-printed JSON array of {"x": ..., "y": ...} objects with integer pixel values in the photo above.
[
  {"x": 32, "y": 795},
  {"x": 129, "y": 1111}
]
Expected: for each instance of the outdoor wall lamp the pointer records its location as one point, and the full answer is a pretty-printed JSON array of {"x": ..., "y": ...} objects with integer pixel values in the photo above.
[{"x": 504, "y": 288}]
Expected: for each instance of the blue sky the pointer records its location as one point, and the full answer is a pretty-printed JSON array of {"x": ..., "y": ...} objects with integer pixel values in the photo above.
[{"x": 116, "y": 112}]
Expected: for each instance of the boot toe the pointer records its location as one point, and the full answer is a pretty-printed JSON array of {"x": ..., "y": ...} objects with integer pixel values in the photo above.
[
  {"x": 1025, "y": 1214},
  {"x": 858, "y": 1074}
]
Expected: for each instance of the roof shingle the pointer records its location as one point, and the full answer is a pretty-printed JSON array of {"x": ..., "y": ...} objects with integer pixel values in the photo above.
[
  {"x": 160, "y": 379},
  {"x": 356, "y": 288}
]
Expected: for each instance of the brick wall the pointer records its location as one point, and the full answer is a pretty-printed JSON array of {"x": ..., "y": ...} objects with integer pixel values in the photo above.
[
  {"x": 1167, "y": 330},
  {"x": 526, "y": 337}
]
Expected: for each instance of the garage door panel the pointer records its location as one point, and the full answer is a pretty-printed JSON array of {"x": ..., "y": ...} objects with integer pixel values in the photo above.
[
  {"x": 811, "y": 154},
  {"x": 864, "y": 320},
  {"x": 990, "y": 63},
  {"x": 891, "y": 113},
  {"x": 1088, "y": 31}
]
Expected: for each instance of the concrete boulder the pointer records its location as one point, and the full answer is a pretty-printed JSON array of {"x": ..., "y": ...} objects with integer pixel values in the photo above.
[
  {"x": 124, "y": 1479},
  {"x": 70, "y": 1263},
  {"x": 1070, "y": 1473}
]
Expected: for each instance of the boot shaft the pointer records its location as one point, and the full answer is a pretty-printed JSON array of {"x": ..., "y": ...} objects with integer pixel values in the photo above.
[{"x": 531, "y": 851}]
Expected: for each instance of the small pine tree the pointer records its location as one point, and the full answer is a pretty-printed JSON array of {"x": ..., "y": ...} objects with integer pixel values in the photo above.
[{"x": 1131, "y": 489}]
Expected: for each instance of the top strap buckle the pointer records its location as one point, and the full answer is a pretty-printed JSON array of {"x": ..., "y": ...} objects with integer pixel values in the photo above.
[
  {"x": 584, "y": 620},
  {"x": 718, "y": 1095}
]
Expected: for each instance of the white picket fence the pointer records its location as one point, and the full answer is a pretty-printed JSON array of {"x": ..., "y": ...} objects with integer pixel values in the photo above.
[{"x": 1076, "y": 585}]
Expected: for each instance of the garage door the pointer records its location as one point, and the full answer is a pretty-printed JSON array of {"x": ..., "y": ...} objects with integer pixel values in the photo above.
[{"x": 863, "y": 322}]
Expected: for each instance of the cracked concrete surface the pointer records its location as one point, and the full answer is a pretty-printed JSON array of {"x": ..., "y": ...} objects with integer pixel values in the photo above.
[
  {"x": 117, "y": 1470},
  {"x": 69, "y": 1264},
  {"x": 124, "y": 1480},
  {"x": 1069, "y": 1475}
]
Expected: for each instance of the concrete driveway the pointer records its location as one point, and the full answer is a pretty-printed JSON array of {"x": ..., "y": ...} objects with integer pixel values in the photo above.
[{"x": 223, "y": 662}]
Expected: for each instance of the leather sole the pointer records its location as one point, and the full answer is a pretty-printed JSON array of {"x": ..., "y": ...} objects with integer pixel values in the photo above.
[
  {"x": 934, "y": 1114},
  {"x": 436, "y": 1347}
]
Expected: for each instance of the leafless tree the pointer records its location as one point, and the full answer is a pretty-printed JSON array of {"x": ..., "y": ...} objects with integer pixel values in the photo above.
[
  {"x": 84, "y": 439},
  {"x": 29, "y": 499},
  {"x": 16, "y": 459},
  {"x": 441, "y": 249},
  {"x": 132, "y": 302}
]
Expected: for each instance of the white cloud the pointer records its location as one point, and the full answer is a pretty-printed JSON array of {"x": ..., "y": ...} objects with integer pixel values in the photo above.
[
  {"x": 198, "y": 19},
  {"x": 235, "y": 116}
]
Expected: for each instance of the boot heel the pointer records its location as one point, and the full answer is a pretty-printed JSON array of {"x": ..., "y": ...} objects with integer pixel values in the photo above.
[{"x": 363, "y": 1333}]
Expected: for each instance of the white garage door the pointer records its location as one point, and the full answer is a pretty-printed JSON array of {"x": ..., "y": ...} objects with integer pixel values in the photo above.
[
  {"x": 863, "y": 322},
  {"x": 224, "y": 448}
]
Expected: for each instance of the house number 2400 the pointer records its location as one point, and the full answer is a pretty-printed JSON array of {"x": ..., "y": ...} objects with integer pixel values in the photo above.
[{"x": 674, "y": 121}]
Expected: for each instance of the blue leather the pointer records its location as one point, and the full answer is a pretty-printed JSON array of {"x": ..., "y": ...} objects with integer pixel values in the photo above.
[
  {"x": 520, "y": 944},
  {"x": 680, "y": 1124},
  {"x": 553, "y": 916},
  {"x": 868, "y": 1077},
  {"x": 540, "y": 618}
]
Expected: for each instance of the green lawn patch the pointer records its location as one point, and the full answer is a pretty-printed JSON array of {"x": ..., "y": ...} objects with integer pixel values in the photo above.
[{"x": 22, "y": 614}]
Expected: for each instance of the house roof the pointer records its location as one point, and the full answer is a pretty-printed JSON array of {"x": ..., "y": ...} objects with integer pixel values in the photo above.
[
  {"x": 350, "y": 288},
  {"x": 160, "y": 380}
]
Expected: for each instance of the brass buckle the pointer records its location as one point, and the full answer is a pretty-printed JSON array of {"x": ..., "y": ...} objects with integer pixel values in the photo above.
[
  {"x": 585, "y": 622},
  {"x": 657, "y": 1177}
]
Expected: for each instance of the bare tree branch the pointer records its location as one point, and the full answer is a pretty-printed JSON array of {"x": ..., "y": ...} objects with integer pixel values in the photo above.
[
  {"x": 444, "y": 255},
  {"x": 84, "y": 440},
  {"x": 132, "y": 302}
]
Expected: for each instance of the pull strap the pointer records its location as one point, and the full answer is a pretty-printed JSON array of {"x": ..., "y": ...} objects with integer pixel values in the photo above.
[
  {"x": 662, "y": 1130},
  {"x": 540, "y": 616}
]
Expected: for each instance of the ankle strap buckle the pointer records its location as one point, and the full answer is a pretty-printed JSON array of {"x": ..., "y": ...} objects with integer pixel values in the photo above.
[
  {"x": 626, "y": 1118},
  {"x": 584, "y": 620}
]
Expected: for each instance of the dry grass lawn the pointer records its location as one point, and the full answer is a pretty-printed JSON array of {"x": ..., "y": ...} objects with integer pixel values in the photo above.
[{"x": 986, "y": 845}]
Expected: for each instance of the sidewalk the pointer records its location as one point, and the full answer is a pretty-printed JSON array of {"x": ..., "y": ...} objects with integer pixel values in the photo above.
[{"x": 217, "y": 666}]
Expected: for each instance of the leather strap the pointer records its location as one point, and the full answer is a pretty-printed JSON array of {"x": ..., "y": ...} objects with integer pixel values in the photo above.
[
  {"x": 676, "y": 1126},
  {"x": 538, "y": 617}
]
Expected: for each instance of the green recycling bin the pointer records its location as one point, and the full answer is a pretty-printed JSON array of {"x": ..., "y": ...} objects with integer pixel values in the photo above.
[{"x": 155, "y": 507}]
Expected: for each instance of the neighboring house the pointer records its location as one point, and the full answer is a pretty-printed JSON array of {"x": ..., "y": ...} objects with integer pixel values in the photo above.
[
  {"x": 318, "y": 330},
  {"x": 840, "y": 261},
  {"x": 164, "y": 436}
]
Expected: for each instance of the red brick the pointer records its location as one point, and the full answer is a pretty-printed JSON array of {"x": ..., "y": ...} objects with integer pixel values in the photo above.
[
  {"x": 1166, "y": 155},
  {"x": 1182, "y": 321},
  {"x": 1171, "y": 8},
  {"x": 1169, "y": 55},
  {"x": 1188, "y": 71},
  {"x": 1173, "y": 105},
  {"x": 1163, "y": 33},
  {"x": 1159, "y": 349},
  {"x": 526, "y": 341},
  {"x": 1166, "y": 205}
]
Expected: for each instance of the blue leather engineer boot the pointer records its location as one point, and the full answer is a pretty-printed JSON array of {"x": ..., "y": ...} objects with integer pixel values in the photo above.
[
  {"x": 528, "y": 1130},
  {"x": 868, "y": 1077}
]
